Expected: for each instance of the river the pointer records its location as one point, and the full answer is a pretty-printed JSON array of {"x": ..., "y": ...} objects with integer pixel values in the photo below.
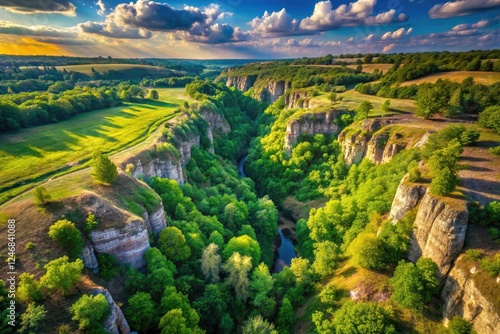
[{"x": 285, "y": 250}]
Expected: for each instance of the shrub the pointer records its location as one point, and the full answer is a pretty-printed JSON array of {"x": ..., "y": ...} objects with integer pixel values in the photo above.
[
  {"x": 32, "y": 317},
  {"x": 30, "y": 245},
  {"x": 469, "y": 137},
  {"x": 459, "y": 325},
  {"x": 91, "y": 223},
  {"x": 67, "y": 236},
  {"x": 29, "y": 289},
  {"x": 108, "y": 266},
  {"x": 62, "y": 274},
  {"x": 491, "y": 265},
  {"x": 494, "y": 150},
  {"x": 473, "y": 254},
  {"x": 362, "y": 318},
  {"x": 41, "y": 195},
  {"x": 415, "y": 174}
]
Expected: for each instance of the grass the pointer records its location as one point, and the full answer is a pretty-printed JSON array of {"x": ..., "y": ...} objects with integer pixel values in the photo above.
[
  {"x": 34, "y": 154},
  {"x": 485, "y": 78},
  {"x": 101, "y": 68}
]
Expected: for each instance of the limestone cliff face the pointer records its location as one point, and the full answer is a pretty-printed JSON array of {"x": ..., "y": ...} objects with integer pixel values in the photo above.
[
  {"x": 273, "y": 90},
  {"x": 462, "y": 296},
  {"x": 120, "y": 233},
  {"x": 115, "y": 323},
  {"x": 353, "y": 146},
  {"x": 297, "y": 99},
  {"x": 243, "y": 83},
  {"x": 216, "y": 122},
  {"x": 438, "y": 231},
  {"x": 310, "y": 124},
  {"x": 407, "y": 197},
  {"x": 89, "y": 258},
  {"x": 156, "y": 221},
  {"x": 161, "y": 168}
]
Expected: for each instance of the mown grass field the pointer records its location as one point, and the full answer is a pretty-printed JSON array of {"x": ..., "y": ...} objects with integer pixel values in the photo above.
[
  {"x": 31, "y": 155},
  {"x": 101, "y": 68},
  {"x": 485, "y": 78}
]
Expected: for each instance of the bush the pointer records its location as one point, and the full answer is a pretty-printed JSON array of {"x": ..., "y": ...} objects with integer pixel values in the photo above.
[
  {"x": 491, "y": 265},
  {"x": 494, "y": 150},
  {"x": 490, "y": 118},
  {"x": 61, "y": 274},
  {"x": 41, "y": 195},
  {"x": 67, "y": 236},
  {"x": 369, "y": 318},
  {"x": 469, "y": 137},
  {"x": 459, "y": 325},
  {"x": 108, "y": 266},
  {"x": 473, "y": 254},
  {"x": 415, "y": 174}
]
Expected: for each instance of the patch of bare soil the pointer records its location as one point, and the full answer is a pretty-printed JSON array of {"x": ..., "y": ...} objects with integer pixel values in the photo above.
[{"x": 480, "y": 175}]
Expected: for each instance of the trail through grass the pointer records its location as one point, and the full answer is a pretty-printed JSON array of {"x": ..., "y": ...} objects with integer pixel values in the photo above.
[{"x": 31, "y": 155}]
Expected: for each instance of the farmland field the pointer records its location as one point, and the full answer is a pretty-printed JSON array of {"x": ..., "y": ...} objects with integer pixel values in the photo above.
[
  {"x": 485, "y": 78},
  {"x": 32, "y": 154}
]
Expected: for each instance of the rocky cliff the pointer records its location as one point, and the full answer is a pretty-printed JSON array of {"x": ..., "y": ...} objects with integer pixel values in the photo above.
[
  {"x": 243, "y": 83},
  {"x": 156, "y": 221},
  {"x": 154, "y": 161},
  {"x": 120, "y": 233},
  {"x": 466, "y": 294},
  {"x": 89, "y": 258},
  {"x": 273, "y": 90},
  {"x": 297, "y": 99},
  {"x": 408, "y": 195},
  {"x": 438, "y": 231},
  {"x": 115, "y": 323},
  {"x": 377, "y": 140},
  {"x": 310, "y": 124}
]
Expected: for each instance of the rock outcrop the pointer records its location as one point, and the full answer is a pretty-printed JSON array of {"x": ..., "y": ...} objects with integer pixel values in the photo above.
[
  {"x": 297, "y": 99},
  {"x": 462, "y": 296},
  {"x": 115, "y": 323},
  {"x": 156, "y": 221},
  {"x": 89, "y": 258},
  {"x": 407, "y": 197},
  {"x": 354, "y": 146},
  {"x": 120, "y": 233},
  {"x": 243, "y": 83},
  {"x": 273, "y": 90},
  {"x": 311, "y": 124},
  {"x": 438, "y": 231},
  {"x": 170, "y": 169}
]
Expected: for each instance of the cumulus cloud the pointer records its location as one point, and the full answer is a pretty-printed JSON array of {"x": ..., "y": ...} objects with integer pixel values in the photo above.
[
  {"x": 139, "y": 20},
  {"x": 9, "y": 28},
  {"x": 325, "y": 17},
  {"x": 461, "y": 7},
  {"x": 389, "y": 47},
  {"x": 396, "y": 34},
  {"x": 102, "y": 7},
  {"x": 276, "y": 23},
  {"x": 64, "y": 7},
  {"x": 110, "y": 29}
]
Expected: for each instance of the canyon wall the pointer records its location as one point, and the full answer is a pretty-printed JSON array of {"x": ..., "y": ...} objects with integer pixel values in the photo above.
[
  {"x": 311, "y": 124},
  {"x": 463, "y": 296},
  {"x": 115, "y": 323}
]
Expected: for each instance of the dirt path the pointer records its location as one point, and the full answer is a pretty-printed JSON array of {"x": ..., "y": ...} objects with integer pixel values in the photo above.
[{"x": 481, "y": 174}]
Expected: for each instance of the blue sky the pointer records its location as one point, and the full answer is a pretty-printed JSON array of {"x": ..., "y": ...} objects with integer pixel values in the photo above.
[{"x": 245, "y": 28}]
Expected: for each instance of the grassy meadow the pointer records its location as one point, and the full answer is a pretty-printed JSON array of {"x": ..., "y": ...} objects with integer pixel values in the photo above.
[
  {"x": 101, "y": 68},
  {"x": 484, "y": 78},
  {"x": 34, "y": 154}
]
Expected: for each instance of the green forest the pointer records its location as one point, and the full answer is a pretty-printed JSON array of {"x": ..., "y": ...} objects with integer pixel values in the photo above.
[{"x": 211, "y": 267}]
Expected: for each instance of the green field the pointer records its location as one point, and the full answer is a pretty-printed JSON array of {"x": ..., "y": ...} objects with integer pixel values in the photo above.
[
  {"x": 485, "y": 78},
  {"x": 34, "y": 154},
  {"x": 131, "y": 69}
]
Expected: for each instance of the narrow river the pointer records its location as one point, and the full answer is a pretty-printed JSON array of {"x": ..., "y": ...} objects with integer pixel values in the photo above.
[{"x": 285, "y": 251}]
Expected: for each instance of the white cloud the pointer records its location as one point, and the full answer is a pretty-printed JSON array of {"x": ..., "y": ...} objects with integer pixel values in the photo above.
[
  {"x": 396, "y": 34},
  {"x": 102, "y": 7},
  {"x": 461, "y": 7},
  {"x": 325, "y": 17},
  {"x": 388, "y": 47},
  {"x": 276, "y": 23}
]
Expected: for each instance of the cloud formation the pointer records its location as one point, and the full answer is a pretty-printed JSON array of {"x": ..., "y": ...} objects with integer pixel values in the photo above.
[
  {"x": 275, "y": 24},
  {"x": 461, "y": 8},
  {"x": 359, "y": 13},
  {"x": 139, "y": 20},
  {"x": 396, "y": 34},
  {"x": 102, "y": 7},
  {"x": 64, "y": 7}
]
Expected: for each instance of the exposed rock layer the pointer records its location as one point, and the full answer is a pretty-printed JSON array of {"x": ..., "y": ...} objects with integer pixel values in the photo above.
[
  {"x": 89, "y": 258},
  {"x": 462, "y": 297},
  {"x": 310, "y": 124},
  {"x": 115, "y": 323},
  {"x": 438, "y": 231},
  {"x": 407, "y": 197}
]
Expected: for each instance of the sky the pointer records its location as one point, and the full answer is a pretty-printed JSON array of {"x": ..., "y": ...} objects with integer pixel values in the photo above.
[{"x": 251, "y": 29}]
